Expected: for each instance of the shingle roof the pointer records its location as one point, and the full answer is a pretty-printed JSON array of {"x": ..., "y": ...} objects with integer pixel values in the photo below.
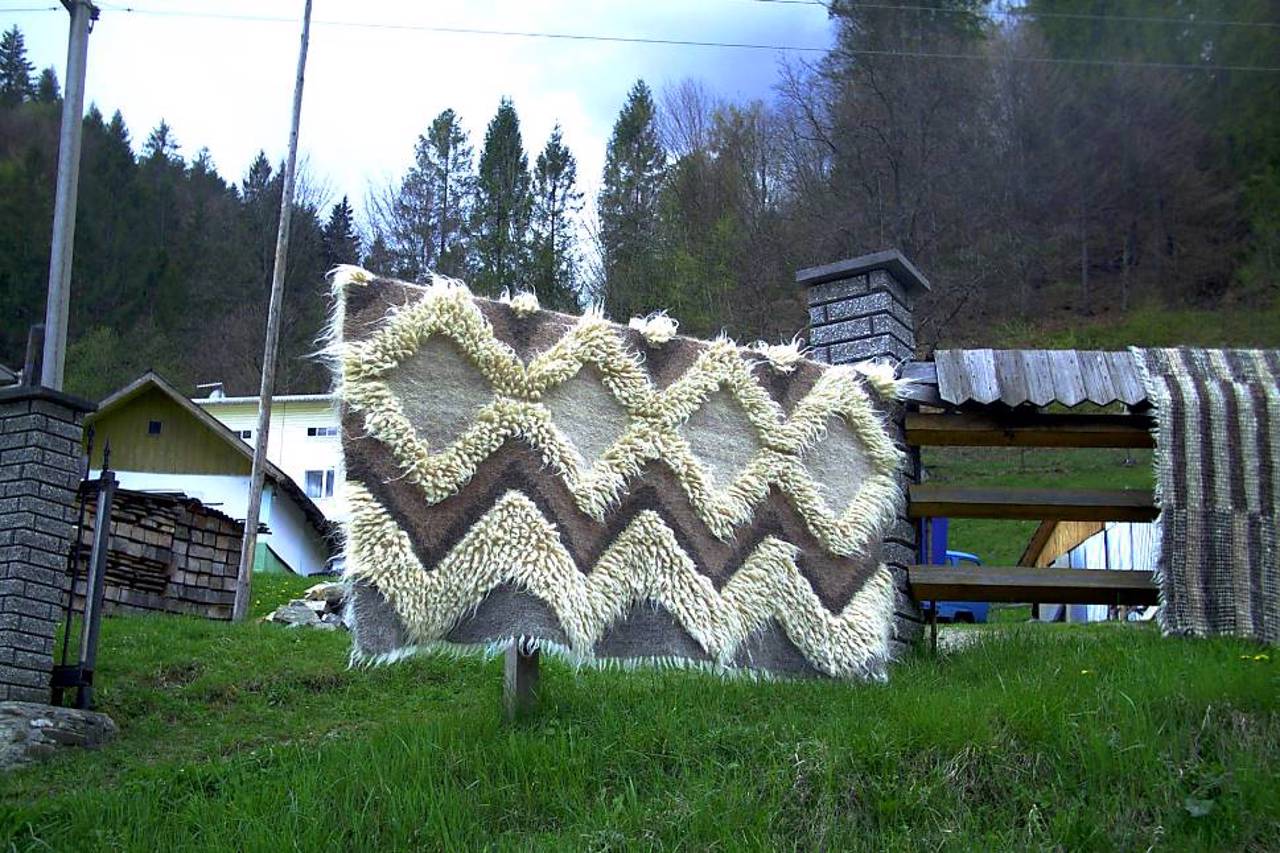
[{"x": 1033, "y": 376}]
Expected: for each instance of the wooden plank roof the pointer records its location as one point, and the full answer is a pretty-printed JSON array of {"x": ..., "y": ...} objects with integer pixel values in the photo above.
[{"x": 1036, "y": 377}]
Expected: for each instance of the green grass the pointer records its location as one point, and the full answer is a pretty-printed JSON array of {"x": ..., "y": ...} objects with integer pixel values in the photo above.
[
  {"x": 255, "y": 737},
  {"x": 270, "y": 590},
  {"x": 1144, "y": 326},
  {"x": 1001, "y": 543}
]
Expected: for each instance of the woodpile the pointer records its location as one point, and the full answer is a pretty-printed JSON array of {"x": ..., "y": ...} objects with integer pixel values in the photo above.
[{"x": 169, "y": 553}]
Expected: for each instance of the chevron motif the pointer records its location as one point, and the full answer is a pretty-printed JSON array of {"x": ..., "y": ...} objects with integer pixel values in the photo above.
[
  {"x": 655, "y": 418},
  {"x": 517, "y": 473},
  {"x": 514, "y": 543}
]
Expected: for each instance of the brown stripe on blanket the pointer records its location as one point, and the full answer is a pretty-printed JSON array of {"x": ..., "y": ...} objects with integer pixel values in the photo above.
[
  {"x": 528, "y": 335},
  {"x": 367, "y": 306},
  {"x": 646, "y": 631},
  {"x": 435, "y": 529}
]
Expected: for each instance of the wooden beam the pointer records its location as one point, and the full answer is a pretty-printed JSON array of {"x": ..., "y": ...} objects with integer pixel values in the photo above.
[
  {"x": 1031, "y": 586},
  {"x": 929, "y": 501},
  {"x": 1037, "y": 542},
  {"x": 922, "y": 383},
  {"x": 519, "y": 682},
  {"x": 973, "y": 429}
]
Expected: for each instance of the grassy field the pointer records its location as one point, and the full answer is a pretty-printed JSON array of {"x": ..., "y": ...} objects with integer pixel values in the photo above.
[
  {"x": 1145, "y": 325},
  {"x": 255, "y": 737},
  {"x": 1102, "y": 737}
]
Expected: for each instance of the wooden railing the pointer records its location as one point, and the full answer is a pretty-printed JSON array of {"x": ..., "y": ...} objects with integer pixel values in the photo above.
[{"x": 997, "y": 427}]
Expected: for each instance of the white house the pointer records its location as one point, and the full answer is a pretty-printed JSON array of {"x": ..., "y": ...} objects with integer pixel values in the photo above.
[
  {"x": 160, "y": 441},
  {"x": 304, "y": 440},
  {"x": 1112, "y": 545}
]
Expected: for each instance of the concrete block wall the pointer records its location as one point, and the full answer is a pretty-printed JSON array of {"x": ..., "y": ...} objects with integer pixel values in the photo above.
[
  {"x": 860, "y": 309},
  {"x": 40, "y": 470}
]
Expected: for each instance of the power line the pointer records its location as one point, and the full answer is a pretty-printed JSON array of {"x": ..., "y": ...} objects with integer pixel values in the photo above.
[
  {"x": 644, "y": 40},
  {"x": 1023, "y": 12},
  {"x": 1020, "y": 12},
  {"x": 374, "y": 25}
]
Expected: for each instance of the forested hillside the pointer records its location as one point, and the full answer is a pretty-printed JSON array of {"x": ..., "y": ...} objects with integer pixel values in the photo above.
[{"x": 1057, "y": 161}]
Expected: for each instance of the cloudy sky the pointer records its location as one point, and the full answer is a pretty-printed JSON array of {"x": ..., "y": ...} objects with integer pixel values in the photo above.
[{"x": 221, "y": 71}]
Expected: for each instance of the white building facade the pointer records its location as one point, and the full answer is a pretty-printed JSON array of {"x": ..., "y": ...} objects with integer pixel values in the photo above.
[{"x": 304, "y": 440}]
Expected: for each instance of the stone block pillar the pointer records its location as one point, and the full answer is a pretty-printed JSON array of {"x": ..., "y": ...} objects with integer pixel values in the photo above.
[
  {"x": 862, "y": 309},
  {"x": 41, "y": 434}
]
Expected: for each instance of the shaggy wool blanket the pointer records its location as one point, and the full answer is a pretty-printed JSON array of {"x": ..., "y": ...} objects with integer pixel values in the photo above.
[
  {"x": 615, "y": 493},
  {"x": 1218, "y": 488}
]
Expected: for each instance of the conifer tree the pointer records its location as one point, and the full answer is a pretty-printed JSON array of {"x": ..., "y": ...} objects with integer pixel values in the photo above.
[
  {"x": 161, "y": 143},
  {"x": 15, "y": 70},
  {"x": 553, "y": 271},
  {"x": 628, "y": 208},
  {"x": 341, "y": 243},
  {"x": 118, "y": 129},
  {"x": 47, "y": 89},
  {"x": 500, "y": 219},
  {"x": 444, "y": 155}
]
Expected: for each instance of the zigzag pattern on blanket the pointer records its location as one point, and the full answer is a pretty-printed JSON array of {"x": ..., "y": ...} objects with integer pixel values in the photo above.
[
  {"x": 610, "y": 491},
  {"x": 513, "y": 543},
  {"x": 434, "y": 530},
  {"x": 724, "y": 481}
]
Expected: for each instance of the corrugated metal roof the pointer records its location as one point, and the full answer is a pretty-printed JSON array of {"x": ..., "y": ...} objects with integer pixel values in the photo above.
[{"x": 1038, "y": 376}]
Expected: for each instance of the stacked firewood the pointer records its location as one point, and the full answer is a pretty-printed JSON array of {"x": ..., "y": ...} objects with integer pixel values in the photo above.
[{"x": 168, "y": 553}]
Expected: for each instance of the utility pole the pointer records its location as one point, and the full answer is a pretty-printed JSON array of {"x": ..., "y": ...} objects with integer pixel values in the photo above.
[
  {"x": 58, "y": 301},
  {"x": 249, "y": 544}
]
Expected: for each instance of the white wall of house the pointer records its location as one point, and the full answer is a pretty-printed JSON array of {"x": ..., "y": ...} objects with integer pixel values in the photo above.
[
  {"x": 1120, "y": 546},
  {"x": 293, "y": 539},
  {"x": 304, "y": 441}
]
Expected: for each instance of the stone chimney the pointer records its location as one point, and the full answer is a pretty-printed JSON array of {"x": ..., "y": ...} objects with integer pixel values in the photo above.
[{"x": 862, "y": 309}]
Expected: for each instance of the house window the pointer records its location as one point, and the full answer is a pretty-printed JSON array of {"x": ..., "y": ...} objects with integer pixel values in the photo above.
[
  {"x": 246, "y": 434},
  {"x": 320, "y": 484},
  {"x": 321, "y": 431},
  {"x": 153, "y": 427}
]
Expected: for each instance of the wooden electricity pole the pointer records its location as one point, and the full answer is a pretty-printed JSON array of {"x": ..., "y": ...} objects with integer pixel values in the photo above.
[
  {"x": 249, "y": 544},
  {"x": 58, "y": 301}
]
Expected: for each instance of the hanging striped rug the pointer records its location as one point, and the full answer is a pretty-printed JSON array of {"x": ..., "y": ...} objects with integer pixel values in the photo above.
[{"x": 1218, "y": 488}]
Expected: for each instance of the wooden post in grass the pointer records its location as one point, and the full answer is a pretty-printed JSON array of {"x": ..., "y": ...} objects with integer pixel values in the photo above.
[
  {"x": 249, "y": 545},
  {"x": 519, "y": 681}
]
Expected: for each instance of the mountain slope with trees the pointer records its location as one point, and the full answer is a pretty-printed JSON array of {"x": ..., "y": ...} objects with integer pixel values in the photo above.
[{"x": 1048, "y": 165}]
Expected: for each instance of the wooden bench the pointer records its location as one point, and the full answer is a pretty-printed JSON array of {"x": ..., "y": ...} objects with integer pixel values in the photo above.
[{"x": 1028, "y": 585}]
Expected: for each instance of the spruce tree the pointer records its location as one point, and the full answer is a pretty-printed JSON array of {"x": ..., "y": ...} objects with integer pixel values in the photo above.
[
  {"x": 47, "y": 89},
  {"x": 553, "y": 264},
  {"x": 628, "y": 208},
  {"x": 15, "y": 70},
  {"x": 500, "y": 220},
  {"x": 119, "y": 130},
  {"x": 402, "y": 218},
  {"x": 341, "y": 243},
  {"x": 422, "y": 219},
  {"x": 161, "y": 143},
  {"x": 445, "y": 154}
]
